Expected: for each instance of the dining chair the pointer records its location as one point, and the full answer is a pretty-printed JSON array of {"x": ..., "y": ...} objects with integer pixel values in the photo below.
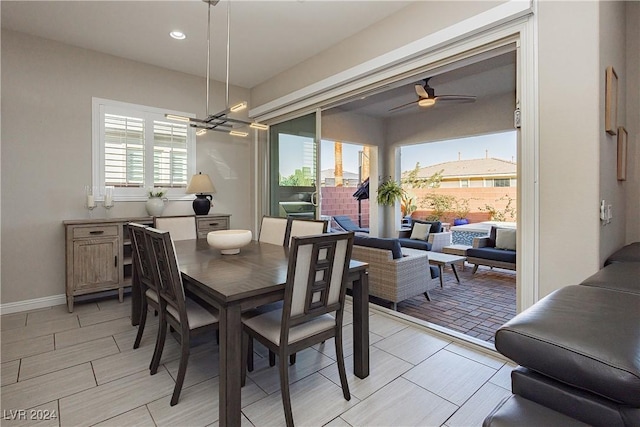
[
  {"x": 184, "y": 315},
  {"x": 142, "y": 264},
  {"x": 274, "y": 230},
  {"x": 306, "y": 227},
  {"x": 181, "y": 227},
  {"x": 313, "y": 306}
]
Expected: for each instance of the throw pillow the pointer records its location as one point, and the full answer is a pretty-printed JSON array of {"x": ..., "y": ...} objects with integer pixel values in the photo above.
[
  {"x": 420, "y": 231},
  {"x": 506, "y": 239}
]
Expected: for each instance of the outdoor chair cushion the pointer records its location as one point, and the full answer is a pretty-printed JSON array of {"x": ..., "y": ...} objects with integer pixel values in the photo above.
[
  {"x": 414, "y": 244},
  {"x": 380, "y": 243},
  {"x": 493, "y": 254},
  {"x": 347, "y": 224},
  {"x": 436, "y": 226}
]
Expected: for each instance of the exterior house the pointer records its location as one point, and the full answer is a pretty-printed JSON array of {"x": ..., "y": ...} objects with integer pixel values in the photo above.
[
  {"x": 473, "y": 173},
  {"x": 47, "y": 88}
]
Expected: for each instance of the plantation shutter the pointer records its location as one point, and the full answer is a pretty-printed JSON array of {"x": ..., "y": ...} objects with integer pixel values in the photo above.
[
  {"x": 124, "y": 150},
  {"x": 169, "y": 154}
]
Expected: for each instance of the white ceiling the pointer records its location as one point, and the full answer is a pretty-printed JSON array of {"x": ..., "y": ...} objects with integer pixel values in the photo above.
[{"x": 267, "y": 37}]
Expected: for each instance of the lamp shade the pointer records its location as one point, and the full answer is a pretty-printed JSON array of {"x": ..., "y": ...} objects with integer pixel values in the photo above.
[{"x": 200, "y": 184}]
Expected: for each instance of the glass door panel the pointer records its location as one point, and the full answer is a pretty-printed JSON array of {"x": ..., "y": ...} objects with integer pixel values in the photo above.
[{"x": 293, "y": 188}]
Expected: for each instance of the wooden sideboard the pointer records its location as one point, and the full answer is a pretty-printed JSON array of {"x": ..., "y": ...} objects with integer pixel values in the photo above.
[{"x": 99, "y": 252}]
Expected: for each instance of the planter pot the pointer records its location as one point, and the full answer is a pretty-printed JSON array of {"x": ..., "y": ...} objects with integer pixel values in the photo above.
[
  {"x": 460, "y": 221},
  {"x": 155, "y": 206}
]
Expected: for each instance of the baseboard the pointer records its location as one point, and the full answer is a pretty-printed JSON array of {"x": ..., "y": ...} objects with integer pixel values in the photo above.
[{"x": 32, "y": 304}]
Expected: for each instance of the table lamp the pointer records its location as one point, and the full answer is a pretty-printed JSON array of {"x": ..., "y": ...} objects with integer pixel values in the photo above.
[{"x": 201, "y": 186}]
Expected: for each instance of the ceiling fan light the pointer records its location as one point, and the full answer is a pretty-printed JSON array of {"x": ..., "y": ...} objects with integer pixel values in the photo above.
[
  {"x": 201, "y": 132},
  {"x": 176, "y": 117},
  {"x": 178, "y": 35},
  {"x": 238, "y": 133},
  {"x": 426, "y": 102},
  {"x": 238, "y": 107},
  {"x": 259, "y": 126}
]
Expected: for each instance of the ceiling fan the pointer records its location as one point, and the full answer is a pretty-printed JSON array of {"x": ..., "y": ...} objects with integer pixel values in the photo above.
[{"x": 427, "y": 97}]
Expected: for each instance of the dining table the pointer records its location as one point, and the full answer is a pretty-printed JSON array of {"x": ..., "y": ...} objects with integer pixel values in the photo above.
[{"x": 237, "y": 283}]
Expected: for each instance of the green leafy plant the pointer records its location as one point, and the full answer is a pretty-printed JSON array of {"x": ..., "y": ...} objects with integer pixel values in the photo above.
[
  {"x": 440, "y": 204},
  {"x": 157, "y": 192},
  {"x": 412, "y": 180},
  {"x": 461, "y": 208},
  {"x": 508, "y": 213},
  {"x": 406, "y": 204},
  {"x": 388, "y": 192}
]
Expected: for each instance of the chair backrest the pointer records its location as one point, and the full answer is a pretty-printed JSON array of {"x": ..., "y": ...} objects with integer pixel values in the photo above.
[
  {"x": 345, "y": 223},
  {"x": 316, "y": 278},
  {"x": 273, "y": 230},
  {"x": 306, "y": 227},
  {"x": 180, "y": 227},
  {"x": 141, "y": 255},
  {"x": 167, "y": 271}
]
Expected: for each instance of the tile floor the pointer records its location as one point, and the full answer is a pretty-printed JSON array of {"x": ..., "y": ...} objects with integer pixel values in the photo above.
[
  {"x": 477, "y": 306},
  {"x": 80, "y": 369}
]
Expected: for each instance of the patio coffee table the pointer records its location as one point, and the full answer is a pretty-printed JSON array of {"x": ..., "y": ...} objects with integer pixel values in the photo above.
[{"x": 441, "y": 259}]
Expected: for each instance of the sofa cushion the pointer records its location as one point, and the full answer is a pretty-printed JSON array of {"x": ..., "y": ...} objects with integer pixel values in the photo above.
[
  {"x": 583, "y": 336},
  {"x": 436, "y": 226},
  {"x": 506, "y": 239},
  {"x": 415, "y": 244},
  {"x": 518, "y": 411},
  {"x": 620, "y": 276},
  {"x": 420, "y": 232},
  {"x": 629, "y": 253},
  {"x": 493, "y": 254},
  {"x": 381, "y": 243},
  {"x": 435, "y": 271}
]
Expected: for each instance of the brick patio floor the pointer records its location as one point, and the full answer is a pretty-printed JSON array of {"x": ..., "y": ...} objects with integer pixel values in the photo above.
[{"x": 477, "y": 306}]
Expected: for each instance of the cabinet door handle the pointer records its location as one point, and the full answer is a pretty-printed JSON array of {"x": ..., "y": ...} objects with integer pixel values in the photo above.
[
  {"x": 116, "y": 261},
  {"x": 213, "y": 223},
  {"x": 97, "y": 232}
]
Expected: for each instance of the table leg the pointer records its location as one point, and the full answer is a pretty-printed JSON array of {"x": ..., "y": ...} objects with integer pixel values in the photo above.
[
  {"x": 136, "y": 296},
  {"x": 441, "y": 268},
  {"x": 361, "y": 325},
  {"x": 230, "y": 365},
  {"x": 453, "y": 267}
]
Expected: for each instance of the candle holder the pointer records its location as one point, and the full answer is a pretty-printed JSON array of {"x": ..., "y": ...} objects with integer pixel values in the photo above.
[
  {"x": 90, "y": 200},
  {"x": 108, "y": 197}
]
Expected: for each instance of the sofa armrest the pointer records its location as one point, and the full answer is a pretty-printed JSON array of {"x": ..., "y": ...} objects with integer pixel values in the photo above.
[
  {"x": 440, "y": 240},
  {"x": 404, "y": 234},
  {"x": 480, "y": 242}
]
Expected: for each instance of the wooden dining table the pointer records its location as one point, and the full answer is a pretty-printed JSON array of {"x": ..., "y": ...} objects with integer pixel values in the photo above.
[{"x": 236, "y": 283}]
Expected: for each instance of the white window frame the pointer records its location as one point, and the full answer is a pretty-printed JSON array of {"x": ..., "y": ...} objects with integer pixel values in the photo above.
[{"x": 101, "y": 106}]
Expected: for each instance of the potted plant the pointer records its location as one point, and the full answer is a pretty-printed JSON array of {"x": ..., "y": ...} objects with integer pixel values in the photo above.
[
  {"x": 461, "y": 210},
  {"x": 388, "y": 192},
  {"x": 407, "y": 207},
  {"x": 155, "y": 204},
  {"x": 440, "y": 205}
]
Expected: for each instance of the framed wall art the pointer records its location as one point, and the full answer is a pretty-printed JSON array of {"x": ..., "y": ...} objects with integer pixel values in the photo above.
[
  {"x": 622, "y": 154},
  {"x": 611, "y": 102}
]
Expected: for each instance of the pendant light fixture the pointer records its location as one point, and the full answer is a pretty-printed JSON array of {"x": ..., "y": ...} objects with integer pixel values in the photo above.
[{"x": 220, "y": 122}]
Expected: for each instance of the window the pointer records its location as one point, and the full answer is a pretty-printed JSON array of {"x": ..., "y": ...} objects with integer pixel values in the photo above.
[
  {"x": 464, "y": 183},
  {"x": 136, "y": 147},
  {"x": 502, "y": 182}
]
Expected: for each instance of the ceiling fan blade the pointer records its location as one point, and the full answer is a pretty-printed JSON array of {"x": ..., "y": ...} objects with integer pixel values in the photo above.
[
  {"x": 462, "y": 99},
  {"x": 422, "y": 93},
  {"x": 399, "y": 107}
]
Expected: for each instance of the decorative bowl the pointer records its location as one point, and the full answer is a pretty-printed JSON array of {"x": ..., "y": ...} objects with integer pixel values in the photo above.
[{"x": 229, "y": 241}]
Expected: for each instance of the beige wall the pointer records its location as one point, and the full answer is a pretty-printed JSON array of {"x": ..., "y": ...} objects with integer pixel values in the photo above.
[
  {"x": 353, "y": 128},
  {"x": 415, "y": 21},
  {"x": 46, "y": 150}
]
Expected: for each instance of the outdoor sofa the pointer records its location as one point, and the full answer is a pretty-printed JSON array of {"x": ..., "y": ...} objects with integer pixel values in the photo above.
[
  {"x": 395, "y": 273},
  {"x": 433, "y": 238},
  {"x": 494, "y": 251}
]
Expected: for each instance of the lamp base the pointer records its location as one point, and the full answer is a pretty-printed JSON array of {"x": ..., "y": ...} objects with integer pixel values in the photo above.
[{"x": 202, "y": 204}]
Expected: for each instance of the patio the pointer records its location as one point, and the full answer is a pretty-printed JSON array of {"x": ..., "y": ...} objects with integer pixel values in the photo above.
[{"x": 476, "y": 307}]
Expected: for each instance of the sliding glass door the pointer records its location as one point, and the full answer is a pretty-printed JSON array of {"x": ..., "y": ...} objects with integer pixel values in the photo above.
[{"x": 293, "y": 172}]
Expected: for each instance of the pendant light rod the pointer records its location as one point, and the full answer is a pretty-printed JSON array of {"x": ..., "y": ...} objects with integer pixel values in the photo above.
[
  {"x": 226, "y": 105},
  {"x": 208, "y": 53}
]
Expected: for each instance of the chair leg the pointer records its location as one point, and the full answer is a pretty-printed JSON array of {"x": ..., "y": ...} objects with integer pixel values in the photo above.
[
  {"x": 475, "y": 268},
  {"x": 272, "y": 358},
  {"x": 284, "y": 388},
  {"x": 141, "y": 323},
  {"x": 250, "y": 354},
  {"x": 341, "y": 369},
  {"x": 157, "y": 353},
  {"x": 245, "y": 353},
  {"x": 426, "y": 294},
  {"x": 292, "y": 359},
  {"x": 182, "y": 370}
]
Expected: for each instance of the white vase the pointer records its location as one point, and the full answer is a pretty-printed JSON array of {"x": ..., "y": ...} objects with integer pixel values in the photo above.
[{"x": 155, "y": 206}]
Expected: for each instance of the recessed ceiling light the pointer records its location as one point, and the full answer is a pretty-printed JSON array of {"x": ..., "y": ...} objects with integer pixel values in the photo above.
[{"x": 178, "y": 35}]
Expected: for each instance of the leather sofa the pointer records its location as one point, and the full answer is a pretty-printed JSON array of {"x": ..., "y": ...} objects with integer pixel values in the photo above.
[
  {"x": 395, "y": 273},
  {"x": 578, "y": 351}
]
